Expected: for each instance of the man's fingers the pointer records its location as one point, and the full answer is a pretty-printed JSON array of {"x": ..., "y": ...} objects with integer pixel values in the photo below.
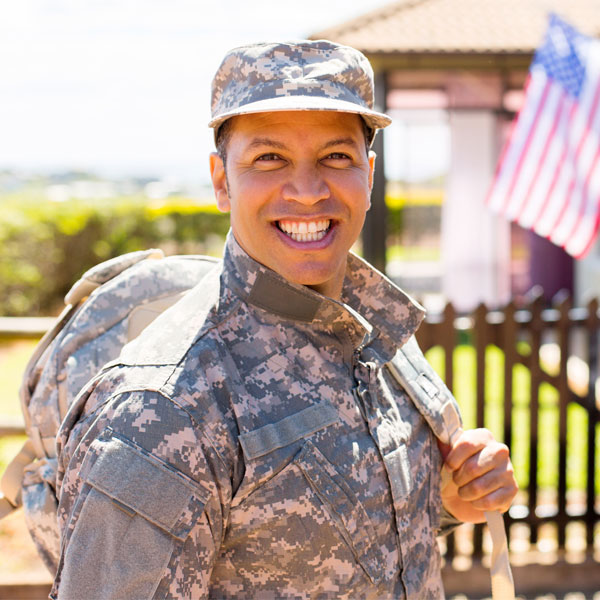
[
  {"x": 499, "y": 499},
  {"x": 488, "y": 458},
  {"x": 492, "y": 491},
  {"x": 469, "y": 443},
  {"x": 482, "y": 476}
]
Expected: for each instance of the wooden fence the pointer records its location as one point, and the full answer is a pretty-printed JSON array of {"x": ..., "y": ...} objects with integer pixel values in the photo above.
[{"x": 559, "y": 348}]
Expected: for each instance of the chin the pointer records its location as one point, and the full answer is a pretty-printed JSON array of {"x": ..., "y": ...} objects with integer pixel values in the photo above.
[{"x": 327, "y": 284}]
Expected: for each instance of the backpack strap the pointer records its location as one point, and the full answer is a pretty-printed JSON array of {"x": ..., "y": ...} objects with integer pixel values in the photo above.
[
  {"x": 434, "y": 401},
  {"x": 427, "y": 391},
  {"x": 10, "y": 484},
  {"x": 93, "y": 278}
]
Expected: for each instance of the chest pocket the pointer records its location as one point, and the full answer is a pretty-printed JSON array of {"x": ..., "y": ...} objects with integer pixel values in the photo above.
[
  {"x": 344, "y": 508},
  {"x": 315, "y": 494}
]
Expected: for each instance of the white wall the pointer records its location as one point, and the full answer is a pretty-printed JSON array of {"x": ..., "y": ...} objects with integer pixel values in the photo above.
[{"x": 587, "y": 276}]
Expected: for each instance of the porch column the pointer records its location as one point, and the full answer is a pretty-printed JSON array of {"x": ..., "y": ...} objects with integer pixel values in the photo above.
[
  {"x": 374, "y": 230},
  {"x": 475, "y": 243}
]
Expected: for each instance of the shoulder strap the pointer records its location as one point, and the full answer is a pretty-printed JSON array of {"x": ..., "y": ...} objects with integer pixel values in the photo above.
[
  {"x": 437, "y": 405},
  {"x": 427, "y": 391}
]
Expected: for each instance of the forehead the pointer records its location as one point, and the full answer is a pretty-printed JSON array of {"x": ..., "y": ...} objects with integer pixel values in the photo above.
[{"x": 313, "y": 123}]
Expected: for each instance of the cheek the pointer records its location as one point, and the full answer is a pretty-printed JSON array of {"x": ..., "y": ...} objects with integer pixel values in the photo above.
[
  {"x": 254, "y": 194},
  {"x": 354, "y": 186},
  {"x": 246, "y": 218}
]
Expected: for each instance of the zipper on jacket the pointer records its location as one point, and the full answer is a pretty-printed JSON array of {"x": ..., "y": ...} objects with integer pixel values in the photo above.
[{"x": 364, "y": 374}]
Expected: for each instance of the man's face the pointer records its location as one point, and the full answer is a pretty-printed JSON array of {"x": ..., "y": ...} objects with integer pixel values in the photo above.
[{"x": 298, "y": 185}]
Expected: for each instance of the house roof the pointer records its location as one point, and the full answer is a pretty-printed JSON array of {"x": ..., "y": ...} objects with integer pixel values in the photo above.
[{"x": 461, "y": 26}]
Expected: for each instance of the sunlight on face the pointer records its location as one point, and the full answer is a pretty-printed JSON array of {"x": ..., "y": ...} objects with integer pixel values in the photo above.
[{"x": 297, "y": 186}]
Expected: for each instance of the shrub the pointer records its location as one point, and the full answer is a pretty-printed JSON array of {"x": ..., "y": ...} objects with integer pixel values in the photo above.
[{"x": 46, "y": 246}]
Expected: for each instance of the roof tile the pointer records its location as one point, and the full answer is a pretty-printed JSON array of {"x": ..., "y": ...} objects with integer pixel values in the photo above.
[{"x": 461, "y": 26}]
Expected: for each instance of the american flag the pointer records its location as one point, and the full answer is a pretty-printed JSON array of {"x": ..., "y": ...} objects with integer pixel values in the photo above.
[{"x": 548, "y": 177}]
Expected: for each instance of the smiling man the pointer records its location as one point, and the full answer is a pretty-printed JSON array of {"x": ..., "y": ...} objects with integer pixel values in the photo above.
[
  {"x": 297, "y": 185},
  {"x": 256, "y": 440}
]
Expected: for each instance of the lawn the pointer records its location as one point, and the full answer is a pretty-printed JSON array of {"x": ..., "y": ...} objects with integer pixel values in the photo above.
[
  {"x": 20, "y": 560},
  {"x": 13, "y": 358}
]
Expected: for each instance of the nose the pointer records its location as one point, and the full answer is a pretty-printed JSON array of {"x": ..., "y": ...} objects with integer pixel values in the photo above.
[{"x": 306, "y": 185}]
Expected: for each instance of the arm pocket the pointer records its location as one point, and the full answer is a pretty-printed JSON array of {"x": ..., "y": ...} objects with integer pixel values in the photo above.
[{"x": 136, "y": 512}]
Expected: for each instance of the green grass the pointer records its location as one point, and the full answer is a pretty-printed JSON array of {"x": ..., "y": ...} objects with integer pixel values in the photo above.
[
  {"x": 9, "y": 446},
  {"x": 13, "y": 359},
  {"x": 417, "y": 253}
]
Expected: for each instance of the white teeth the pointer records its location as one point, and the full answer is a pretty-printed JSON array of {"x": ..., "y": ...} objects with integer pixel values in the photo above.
[
  {"x": 308, "y": 237},
  {"x": 302, "y": 231}
]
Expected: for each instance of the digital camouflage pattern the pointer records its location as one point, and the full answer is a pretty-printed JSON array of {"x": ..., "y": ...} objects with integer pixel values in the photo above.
[
  {"x": 301, "y": 75},
  {"x": 250, "y": 443}
]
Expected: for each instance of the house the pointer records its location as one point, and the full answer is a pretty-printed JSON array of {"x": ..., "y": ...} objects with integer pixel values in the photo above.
[{"x": 469, "y": 58}]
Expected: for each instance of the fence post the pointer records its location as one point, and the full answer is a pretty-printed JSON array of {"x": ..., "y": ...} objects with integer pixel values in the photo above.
[
  {"x": 564, "y": 324},
  {"x": 535, "y": 327},
  {"x": 448, "y": 335},
  {"x": 592, "y": 409},
  {"x": 508, "y": 339},
  {"x": 481, "y": 334},
  {"x": 448, "y": 338}
]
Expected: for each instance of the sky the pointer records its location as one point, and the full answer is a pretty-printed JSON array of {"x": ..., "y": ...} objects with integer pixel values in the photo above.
[{"x": 122, "y": 87}]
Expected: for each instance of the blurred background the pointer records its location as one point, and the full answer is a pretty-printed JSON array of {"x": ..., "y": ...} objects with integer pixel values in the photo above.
[
  {"x": 104, "y": 150},
  {"x": 104, "y": 142}
]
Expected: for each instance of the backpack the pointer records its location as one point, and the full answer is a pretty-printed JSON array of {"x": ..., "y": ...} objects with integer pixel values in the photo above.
[{"x": 111, "y": 305}]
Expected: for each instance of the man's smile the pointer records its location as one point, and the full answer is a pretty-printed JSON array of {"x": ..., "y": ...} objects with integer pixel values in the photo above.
[{"x": 305, "y": 231}]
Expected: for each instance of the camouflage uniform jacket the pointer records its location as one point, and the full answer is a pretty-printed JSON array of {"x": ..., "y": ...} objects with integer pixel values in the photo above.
[{"x": 252, "y": 444}]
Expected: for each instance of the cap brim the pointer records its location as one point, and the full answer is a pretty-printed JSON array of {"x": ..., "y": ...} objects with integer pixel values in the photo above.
[{"x": 374, "y": 119}]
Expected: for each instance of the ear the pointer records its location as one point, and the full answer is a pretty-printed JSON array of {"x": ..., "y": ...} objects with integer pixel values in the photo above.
[
  {"x": 372, "y": 157},
  {"x": 219, "y": 181}
]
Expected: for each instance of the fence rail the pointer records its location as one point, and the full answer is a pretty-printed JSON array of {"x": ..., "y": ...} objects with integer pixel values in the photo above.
[
  {"x": 558, "y": 347},
  {"x": 24, "y": 328}
]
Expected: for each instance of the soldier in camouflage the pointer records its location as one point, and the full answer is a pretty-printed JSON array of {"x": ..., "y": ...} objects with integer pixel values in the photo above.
[{"x": 251, "y": 442}]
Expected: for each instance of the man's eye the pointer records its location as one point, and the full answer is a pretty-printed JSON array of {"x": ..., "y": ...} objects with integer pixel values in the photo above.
[
  {"x": 338, "y": 156},
  {"x": 269, "y": 156}
]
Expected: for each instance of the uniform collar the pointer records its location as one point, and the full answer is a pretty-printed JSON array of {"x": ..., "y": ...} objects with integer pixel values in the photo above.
[{"x": 370, "y": 302}]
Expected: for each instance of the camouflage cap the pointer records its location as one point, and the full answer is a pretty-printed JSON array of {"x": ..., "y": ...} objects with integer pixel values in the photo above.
[{"x": 297, "y": 75}]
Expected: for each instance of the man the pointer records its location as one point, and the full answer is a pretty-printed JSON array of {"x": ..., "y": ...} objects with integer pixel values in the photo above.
[{"x": 252, "y": 443}]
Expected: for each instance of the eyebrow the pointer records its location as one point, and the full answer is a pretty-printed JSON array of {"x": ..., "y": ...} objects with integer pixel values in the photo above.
[
  {"x": 266, "y": 141},
  {"x": 344, "y": 141}
]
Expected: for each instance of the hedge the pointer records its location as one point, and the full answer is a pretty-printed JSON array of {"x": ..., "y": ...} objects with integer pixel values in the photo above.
[{"x": 46, "y": 246}]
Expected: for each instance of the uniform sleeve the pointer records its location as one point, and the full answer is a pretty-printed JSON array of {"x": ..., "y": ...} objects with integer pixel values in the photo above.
[
  {"x": 143, "y": 503},
  {"x": 448, "y": 523}
]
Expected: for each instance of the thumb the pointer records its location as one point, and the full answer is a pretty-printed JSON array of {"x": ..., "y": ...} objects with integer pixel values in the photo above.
[
  {"x": 444, "y": 449},
  {"x": 446, "y": 472}
]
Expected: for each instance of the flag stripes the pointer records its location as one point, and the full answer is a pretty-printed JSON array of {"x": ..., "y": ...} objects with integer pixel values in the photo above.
[{"x": 548, "y": 176}]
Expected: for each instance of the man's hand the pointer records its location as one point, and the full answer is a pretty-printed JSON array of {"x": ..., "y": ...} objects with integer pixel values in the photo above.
[{"x": 481, "y": 476}]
